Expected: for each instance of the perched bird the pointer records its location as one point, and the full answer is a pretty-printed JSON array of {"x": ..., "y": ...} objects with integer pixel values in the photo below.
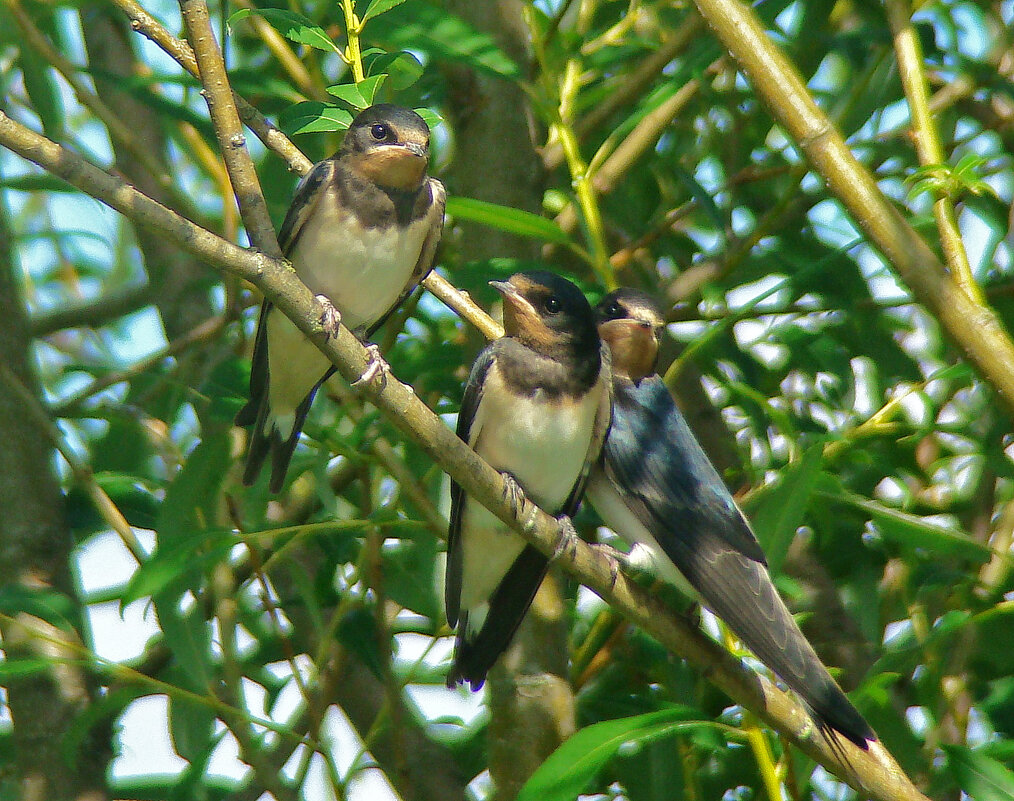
[
  {"x": 656, "y": 487},
  {"x": 361, "y": 233},
  {"x": 536, "y": 407}
]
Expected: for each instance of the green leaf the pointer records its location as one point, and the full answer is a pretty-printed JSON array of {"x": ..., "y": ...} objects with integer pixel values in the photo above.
[
  {"x": 778, "y": 512},
  {"x": 505, "y": 218},
  {"x": 178, "y": 563},
  {"x": 574, "y": 764},
  {"x": 417, "y": 25},
  {"x": 403, "y": 68},
  {"x": 191, "y": 724},
  {"x": 191, "y": 502},
  {"x": 430, "y": 117},
  {"x": 13, "y": 669},
  {"x": 43, "y": 92},
  {"x": 358, "y": 95},
  {"x": 46, "y": 604},
  {"x": 312, "y": 116},
  {"x": 701, "y": 195},
  {"x": 36, "y": 183},
  {"x": 980, "y": 776},
  {"x": 409, "y": 573},
  {"x": 912, "y": 531},
  {"x": 358, "y": 632},
  {"x": 130, "y": 493},
  {"x": 378, "y": 7},
  {"x": 294, "y": 27}
]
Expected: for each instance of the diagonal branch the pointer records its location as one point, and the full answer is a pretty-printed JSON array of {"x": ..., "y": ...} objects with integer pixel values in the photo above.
[
  {"x": 228, "y": 128},
  {"x": 92, "y": 312},
  {"x": 273, "y": 139},
  {"x": 971, "y": 325},
  {"x": 927, "y": 142},
  {"x": 874, "y": 771}
]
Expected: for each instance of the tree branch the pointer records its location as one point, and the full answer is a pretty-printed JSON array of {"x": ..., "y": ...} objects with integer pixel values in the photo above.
[
  {"x": 228, "y": 128},
  {"x": 92, "y": 312},
  {"x": 927, "y": 143},
  {"x": 873, "y": 771},
  {"x": 973, "y": 326},
  {"x": 35, "y": 557},
  {"x": 273, "y": 139}
]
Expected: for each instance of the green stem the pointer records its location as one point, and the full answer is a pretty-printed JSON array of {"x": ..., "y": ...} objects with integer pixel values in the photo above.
[
  {"x": 927, "y": 141},
  {"x": 353, "y": 27},
  {"x": 755, "y": 737},
  {"x": 583, "y": 188}
]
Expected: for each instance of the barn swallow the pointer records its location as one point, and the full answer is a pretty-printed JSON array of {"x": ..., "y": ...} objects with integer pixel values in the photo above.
[
  {"x": 656, "y": 487},
  {"x": 361, "y": 234},
  {"x": 536, "y": 408}
]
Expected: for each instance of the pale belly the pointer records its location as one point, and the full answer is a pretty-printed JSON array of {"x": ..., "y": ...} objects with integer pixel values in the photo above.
[
  {"x": 363, "y": 272},
  {"x": 618, "y": 517},
  {"x": 544, "y": 446}
]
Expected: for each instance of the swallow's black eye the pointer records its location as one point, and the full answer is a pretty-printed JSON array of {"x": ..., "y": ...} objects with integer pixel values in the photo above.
[
  {"x": 553, "y": 304},
  {"x": 379, "y": 132},
  {"x": 614, "y": 310}
]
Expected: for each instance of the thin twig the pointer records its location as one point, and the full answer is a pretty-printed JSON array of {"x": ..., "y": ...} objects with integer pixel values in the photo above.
[
  {"x": 228, "y": 128},
  {"x": 610, "y": 168},
  {"x": 273, "y": 139},
  {"x": 91, "y": 313},
  {"x": 80, "y": 469},
  {"x": 631, "y": 87},
  {"x": 251, "y": 750},
  {"x": 927, "y": 142},
  {"x": 206, "y": 331}
]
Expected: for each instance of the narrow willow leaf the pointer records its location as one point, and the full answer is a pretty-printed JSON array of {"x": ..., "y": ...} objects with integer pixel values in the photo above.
[
  {"x": 505, "y": 218},
  {"x": 312, "y": 116},
  {"x": 777, "y": 513},
  {"x": 378, "y": 7},
  {"x": 574, "y": 764},
  {"x": 980, "y": 776},
  {"x": 294, "y": 27}
]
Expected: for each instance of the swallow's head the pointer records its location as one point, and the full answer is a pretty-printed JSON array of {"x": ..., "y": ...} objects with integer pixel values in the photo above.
[
  {"x": 547, "y": 313},
  {"x": 630, "y": 322},
  {"x": 390, "y": 145}
]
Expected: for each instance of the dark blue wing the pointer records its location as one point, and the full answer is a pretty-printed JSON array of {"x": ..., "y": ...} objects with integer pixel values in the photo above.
[
  {"x": 469, "y": 406},
  {"x": 308, "y": 194},
  {"x": 652, "y": 454},
  {"x": 666, "y": 480}
]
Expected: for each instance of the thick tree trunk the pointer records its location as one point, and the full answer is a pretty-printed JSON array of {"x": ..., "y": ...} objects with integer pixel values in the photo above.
[
  {"x": 35, "y": 552},
  {"x": 530, "y": 697}
]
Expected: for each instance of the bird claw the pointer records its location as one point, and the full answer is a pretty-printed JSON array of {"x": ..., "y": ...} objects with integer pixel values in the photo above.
[
  {"x": 514, "y": 494},
  {"x": 330, "y": 318},
  {"x": 376, "y": 367},
  {"x": 568, "y": 539},
  {"x": 617, "y": 559}
]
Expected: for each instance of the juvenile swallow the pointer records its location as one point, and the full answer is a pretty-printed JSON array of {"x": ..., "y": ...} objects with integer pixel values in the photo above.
[
  {"x": 536, "y": 407},
  {"x": 656, "y": 487},
  {"x": 361, "y": 233}
]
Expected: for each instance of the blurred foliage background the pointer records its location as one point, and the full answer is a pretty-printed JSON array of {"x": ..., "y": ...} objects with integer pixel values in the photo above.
[{"x": 295, "y": 646}]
